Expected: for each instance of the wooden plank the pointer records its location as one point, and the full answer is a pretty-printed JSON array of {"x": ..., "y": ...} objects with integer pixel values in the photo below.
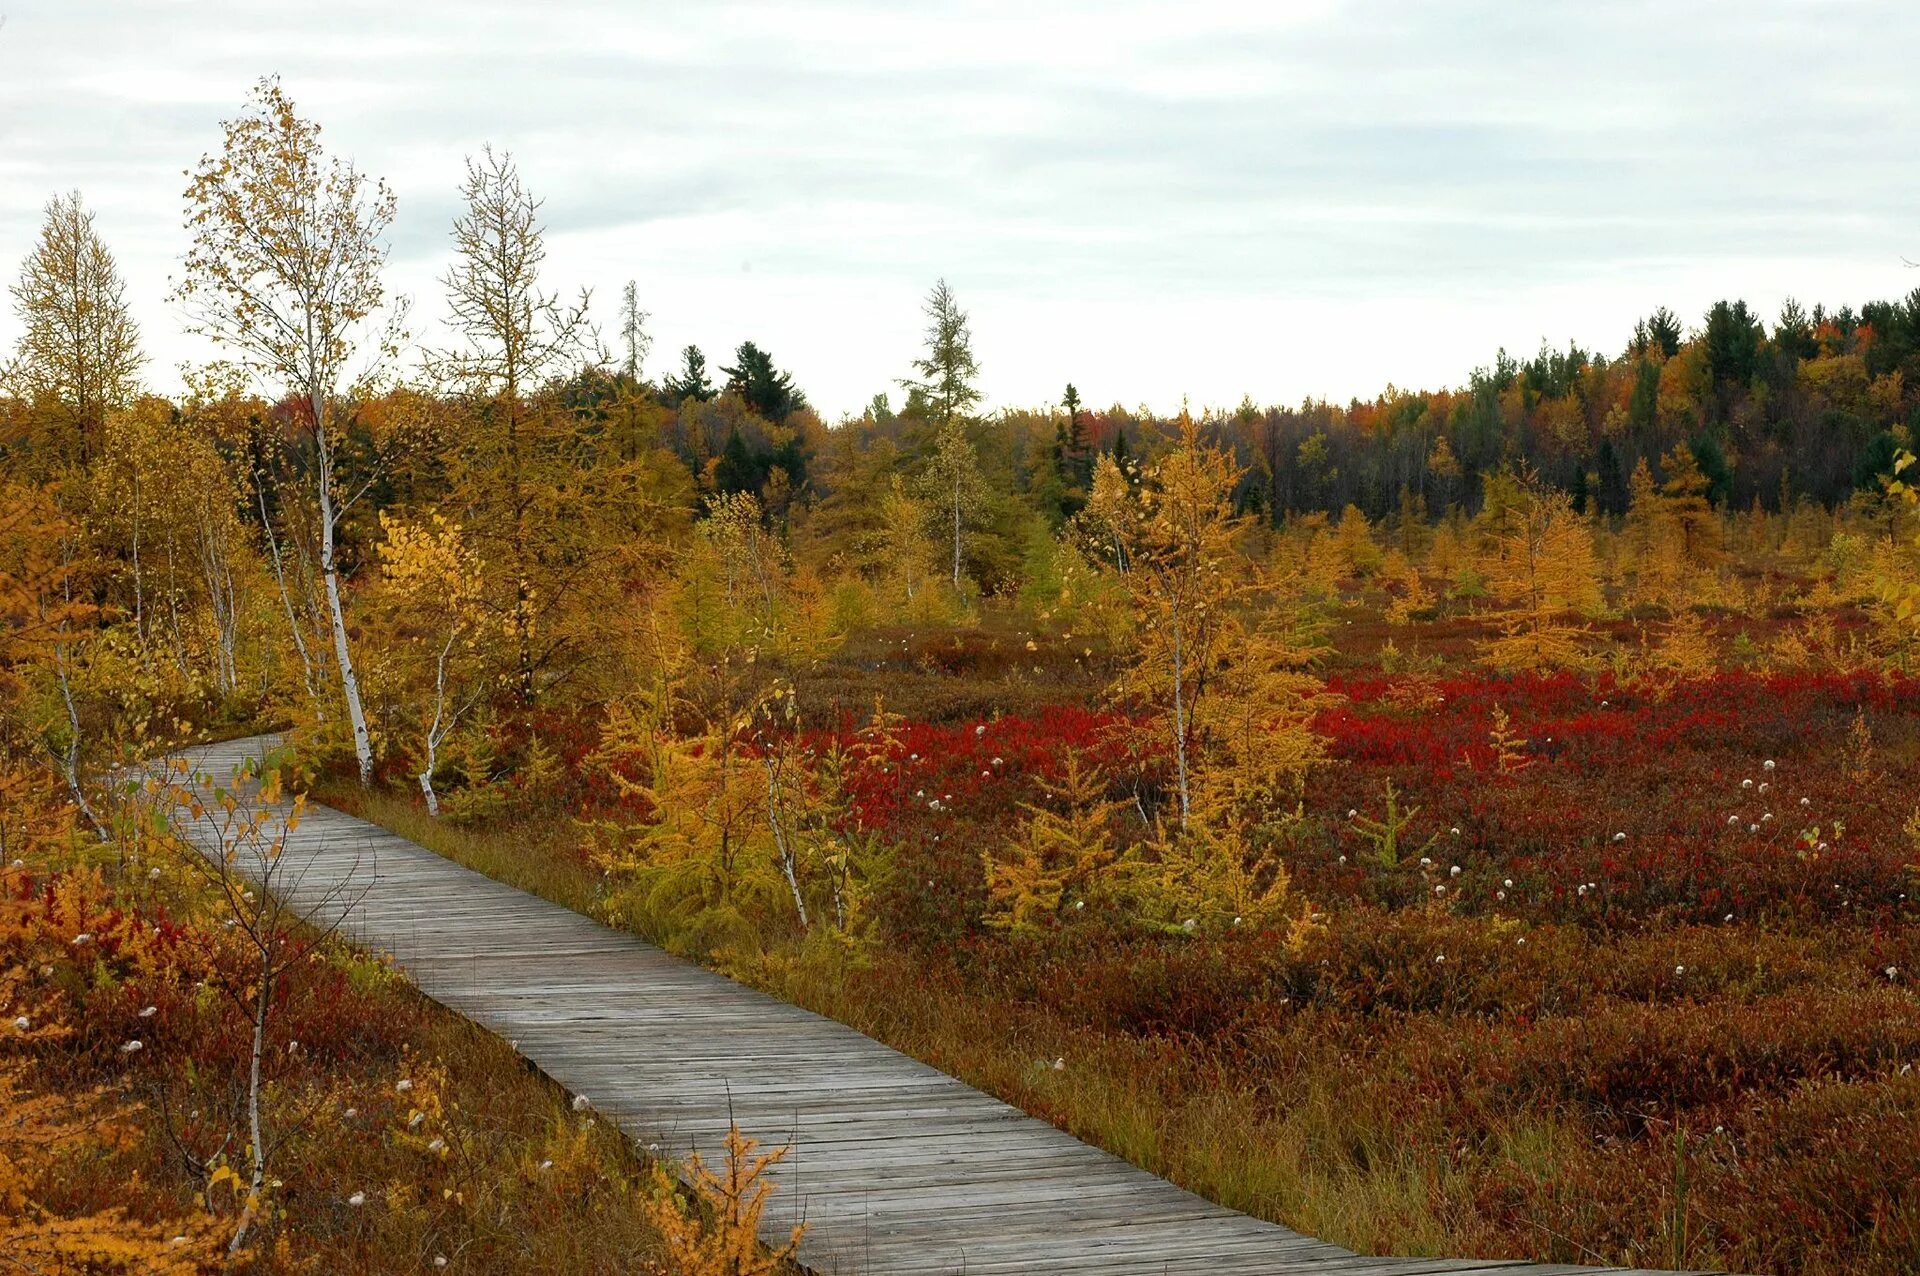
[{"x": 897, "y": 1168}]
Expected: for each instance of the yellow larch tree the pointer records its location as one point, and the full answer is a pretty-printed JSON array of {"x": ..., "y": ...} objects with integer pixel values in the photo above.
[
  {"x": 1230, "y": 699},
  {"x": 1066, "y": 850},
  {"x": 1540, "y": 565}
]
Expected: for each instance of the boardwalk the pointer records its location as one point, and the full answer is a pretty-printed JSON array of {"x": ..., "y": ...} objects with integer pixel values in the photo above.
[{"x": 896, "y": 1167}]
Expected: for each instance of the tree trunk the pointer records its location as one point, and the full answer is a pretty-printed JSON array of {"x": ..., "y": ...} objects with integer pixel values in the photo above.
[
  {"x": 70, "y": 756},
  {"x": 1180, "y": 721},
  {"x": 956, "y": 530},
  {"x": 257, "y": 1149},
  {"x": 788, "y": 867},
  {"x": 286, "y": 600},
  {"x": 349, "y": 682}
]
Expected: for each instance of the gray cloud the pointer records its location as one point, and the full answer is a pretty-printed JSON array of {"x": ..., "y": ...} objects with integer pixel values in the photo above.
[{"x": 1119, "y": 190}]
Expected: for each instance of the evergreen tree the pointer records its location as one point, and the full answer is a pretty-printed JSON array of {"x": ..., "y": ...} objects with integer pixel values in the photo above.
[
  {"x": 690, "y": 382},
  {"x": 767, "y": 390},
  {"x": 1658, "y": 331},
  {"x": 736, "y": 470},
  {"x": 1611, "y": 480}
]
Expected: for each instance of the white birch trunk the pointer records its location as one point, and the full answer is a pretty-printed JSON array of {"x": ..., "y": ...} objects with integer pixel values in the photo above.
[{"x": 349, "y": 682}]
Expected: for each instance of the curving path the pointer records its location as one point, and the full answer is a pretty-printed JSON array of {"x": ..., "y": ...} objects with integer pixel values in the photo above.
[{"x": 896, "y": 1168}]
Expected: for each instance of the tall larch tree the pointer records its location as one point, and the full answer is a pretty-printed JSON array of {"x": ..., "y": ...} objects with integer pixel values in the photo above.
[
  {"x": 79, "y": 352},
  {"x": 284, "y": 270},
  {"x": 948, "y": 370},
  {"x": 635, "y": 341},
  {"x": 512, "y": 338},
  {"x": 1182, "y": 570}
]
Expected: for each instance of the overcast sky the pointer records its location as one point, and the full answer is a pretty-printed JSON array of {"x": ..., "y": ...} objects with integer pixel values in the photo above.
[{"x": 1150, "y": 200}]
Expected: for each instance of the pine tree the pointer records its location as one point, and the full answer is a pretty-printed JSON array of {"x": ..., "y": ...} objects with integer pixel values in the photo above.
[
  {"x": 690, "y": 382},
  {"x": 767, "y": 390}
]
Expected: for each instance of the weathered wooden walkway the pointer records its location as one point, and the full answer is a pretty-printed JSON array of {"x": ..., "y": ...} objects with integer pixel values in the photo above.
[{"x": 896, "y": 1168}]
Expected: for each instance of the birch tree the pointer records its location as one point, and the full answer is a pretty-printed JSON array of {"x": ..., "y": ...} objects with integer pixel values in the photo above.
[
  {"x": 952, "y": 482},
  {"x": 431, "y": 580},
  {"x": 284, "y": 270}
]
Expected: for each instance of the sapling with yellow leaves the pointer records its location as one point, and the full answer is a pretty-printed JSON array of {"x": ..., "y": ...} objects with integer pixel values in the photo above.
[{"x": 432, "y": 583}]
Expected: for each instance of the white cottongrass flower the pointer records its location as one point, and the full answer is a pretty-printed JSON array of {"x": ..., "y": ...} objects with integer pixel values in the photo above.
[
  {"x": 19, "y": 863},
  {"x": 1619, "y": 837},
  {"x": 357, "y": 1199},
  {"x": 1893, "y": 972},
  {"x": 1425, "y": 862},
  {"x": 1188, "y": 925},
  {"x": 133, "y": 1047},
  {"x": 1455, "y": 830},
  {"x": 23, "y": 1023},
  {"x": 1440, "y": 960},
  {"x": 979, "y": 731},
  {"x": 580, "y": 1103},
  {"x": 546, "y": 1165},
  {"x": 437, "y": 1145},
  {"x": 1501, "y": 895},
  {"x": 1679, "y": 970},
  {"x": 1733, "y": 819},
  {"x": 403, "y": 1085},
  {"x": 351, "y": 1113},
  {"x": 1768, "y": 764},
  {"x": 1508, "y": 883},
  {"x": 439, "y": 1260},
  {"x": 1343, "y": 859},
  {"x": 1454, "y": 871},
  {"x": 1746, "y": 784},
  {"x": 82, "y": 939},
  {"x": 1806, "y": 801},
  {"x": 1440, "y": 890},
  {"x": 153, "y": 874},
  {"x": 1059, "y": 1063},
  {"x": 1352, "y": 813},
  {"x": 413, "y": 1122}
]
